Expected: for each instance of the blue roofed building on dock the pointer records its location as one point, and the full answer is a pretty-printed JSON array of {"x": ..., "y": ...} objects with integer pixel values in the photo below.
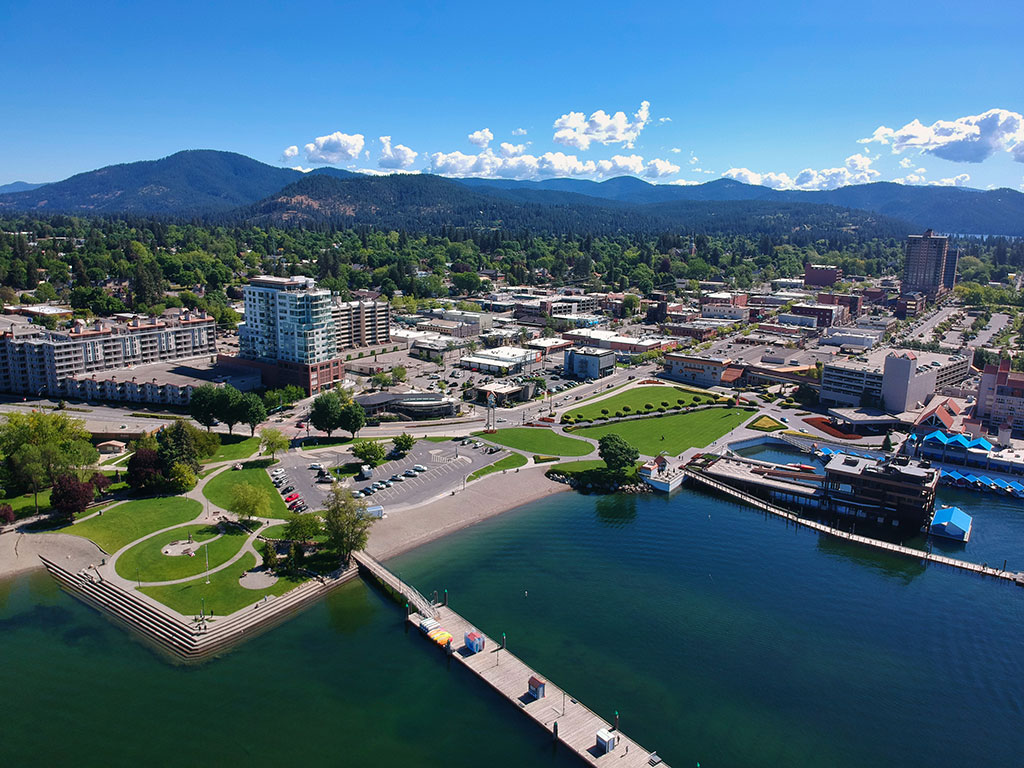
[{"x": 951, "y": 523}]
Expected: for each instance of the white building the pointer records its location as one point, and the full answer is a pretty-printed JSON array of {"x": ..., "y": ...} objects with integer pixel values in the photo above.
[{"x": 501, "y": 359}]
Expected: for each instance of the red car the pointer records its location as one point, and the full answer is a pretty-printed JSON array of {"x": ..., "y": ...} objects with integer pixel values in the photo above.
[{"x": 291, "y": 497}]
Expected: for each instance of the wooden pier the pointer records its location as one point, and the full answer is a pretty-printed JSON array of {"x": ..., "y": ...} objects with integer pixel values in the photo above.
[
  {"x": 564, "y": 717},
  {"x": 917, "y": 554}
]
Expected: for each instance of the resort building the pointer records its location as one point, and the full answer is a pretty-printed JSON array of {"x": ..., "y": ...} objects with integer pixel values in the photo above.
[
  {"x": 898, "y": 492},
  {"x": 896, "y": 380},
  {"x": 589, "y": 362}
]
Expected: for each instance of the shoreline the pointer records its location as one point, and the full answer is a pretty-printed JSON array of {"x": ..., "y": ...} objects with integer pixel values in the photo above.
[
  {"x": 19, "y": 552},
  {"x": 407, "y": 529}
]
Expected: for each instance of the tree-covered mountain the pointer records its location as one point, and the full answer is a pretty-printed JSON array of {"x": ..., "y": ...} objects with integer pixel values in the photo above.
[
  {"x": 204, "y": 183},
  {"x": 423, "y": 203},
  {"x": 193, "y": 182},
  {"x": 18, "y": 186}
]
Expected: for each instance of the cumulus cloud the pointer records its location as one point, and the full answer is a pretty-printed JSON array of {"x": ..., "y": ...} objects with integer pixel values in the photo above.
[
  {"x": 518, "y": 131},
  {"x": 395, "y": 156},
  {"x": 969, "y": 139},
  {"x": 685, "y": 182},
  {"x": 658, "y": 168},
  {"x": 511, "y": 150},
  {"x": 675, "y": 150},
  {"x": 960, "y": 180},
  {"x": 856, "y": 170},
  {"x": 906, "y": 162},
  {"x": 290, "y": 152},
  {"x": 693, "y": 159},
  {"x": 911, "y": 178},
  {"x": 621, "y": 164},
  {"x": 481, "y": 138},
  {"x": 575, "y": 129},
  {"x": 301, "y": 169},
  {"x": 335, "y": 148},
  {"x": 664, "y": 119}
]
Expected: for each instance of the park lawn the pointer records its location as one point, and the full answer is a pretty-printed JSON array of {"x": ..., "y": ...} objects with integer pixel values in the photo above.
[
  {"x": 123, "y": 524},
  {"x": 538, "y": 440},
  {"x": 635, "y": 399},
  {"x": 312, "y": 443},
  {"x": 218, "y": 489},
  {"x": 234, "y": 447},
  {"x": 673, "y": 433},
  {"x": 509, "y": 462},
  {"x": 24, "y": 504},
  {"x": 223, "y": 595},
  {"x": 146, "y": 562},
  {"x": 436, "y": 438},
  {"x": 278, "y": 532}
]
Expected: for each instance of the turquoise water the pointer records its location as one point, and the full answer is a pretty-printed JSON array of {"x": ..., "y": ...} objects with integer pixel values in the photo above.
[{"x": 719, "y": 635}]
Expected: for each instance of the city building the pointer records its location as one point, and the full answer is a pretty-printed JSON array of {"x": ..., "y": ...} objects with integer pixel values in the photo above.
[
  {"x": 289, "y": 333},
  {"x": 629, "y": 345},
  {"x": 37, "y": 361},
  {"x": 825, "y": 315},
  {"x": 414, "y": 405},
  {"x": 701, "y": 370},
  {"x": 1000, "y": 399},
  {"x": 896, "y": 492},
  {"x": 926, "y": 270},
  {"x": 734, "y": 312},
  {"x": 910, "y": 305},
  {"x": 896, "y": 380},
  {"x": 501, "y": 360},
  {"x": 549, "y": 346},
  {"x": 854, "y": 302},
  {"x": 822, "y": 275},
  {"x": 444, "y": 327},
  {"x": 363, "y": 323},
  {"x": 589, "y": 362}
]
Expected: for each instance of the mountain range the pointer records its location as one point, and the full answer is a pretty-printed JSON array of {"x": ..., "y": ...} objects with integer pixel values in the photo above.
[{"x": 230, "y": 187}]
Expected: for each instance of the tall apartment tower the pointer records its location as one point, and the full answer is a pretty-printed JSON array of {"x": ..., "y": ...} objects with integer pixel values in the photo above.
[
  {"x": 289, "y": 333},
  {"x": 926, "y": 270}
]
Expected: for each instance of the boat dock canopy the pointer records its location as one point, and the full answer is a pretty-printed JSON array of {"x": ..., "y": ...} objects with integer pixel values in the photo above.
[{"x": 951, "y": 522}]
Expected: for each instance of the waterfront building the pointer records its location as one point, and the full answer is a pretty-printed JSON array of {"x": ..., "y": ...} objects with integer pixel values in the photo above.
[
  {"x": 898, "y": 491},
  {"x": 926, "y": 269},
  {"x": 896, "y": 380},
  {"x": 1000, "y": 399}
]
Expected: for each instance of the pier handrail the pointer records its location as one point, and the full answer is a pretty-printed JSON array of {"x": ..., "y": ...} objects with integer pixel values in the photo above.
[{"x": 423, "y": 606}]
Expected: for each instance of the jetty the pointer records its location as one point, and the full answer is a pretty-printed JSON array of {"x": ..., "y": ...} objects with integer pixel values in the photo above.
[
  {"x": 700, "y": 478},
  {"x": 569, "y": 721}
]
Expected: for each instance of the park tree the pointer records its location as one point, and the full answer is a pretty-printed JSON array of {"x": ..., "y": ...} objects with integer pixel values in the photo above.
[
  {"x": 70, "y": 496},
  {"x": 404, "y": 442},
  {"x": 616, "y": 453},
  {"x": 29, "y": 469},
  {"x": 325, "y": 413},
  {"x": 269, "y": 555},
  {"x": 176, "y": 445},
  {"x": 353, "y": 418},
  {"x": 273, "y": 440},
  {"x": 346, "y": 522},
  {"x": 252, "y": 411},
  {"x": 99, "y": 483},
  {"x": 229, "y": 406},
  {"x": 295, "y": 556},
  {"x": 381, "y": 380},
  {"x": 144, "y": 470},
  {"x": 40, "y": 446},
  {"x": 369, "y": 452},
  {"x": 249, "y": 501},
  {"x": 304, "y": 527},
  {"x": 887, "y": 443},
  {"x": 181, "y": 479},
  {"x": 7, "y": 515},
  {"x": 202, "y": 406},
  {"x": 466, "y": 282},
  {"x": 398, "y": 374}
]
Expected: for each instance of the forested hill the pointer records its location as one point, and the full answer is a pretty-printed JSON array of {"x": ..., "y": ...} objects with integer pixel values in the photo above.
[
  {"x": 423, "y": 203},
  {"x": 194, "y": 182}
]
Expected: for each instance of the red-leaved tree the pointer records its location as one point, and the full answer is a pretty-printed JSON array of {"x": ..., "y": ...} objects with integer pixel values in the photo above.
[{"x": 70, "y": 496}]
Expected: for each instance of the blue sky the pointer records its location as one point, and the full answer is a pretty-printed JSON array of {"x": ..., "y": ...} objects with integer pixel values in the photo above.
[{"x": 775, "y": 93}]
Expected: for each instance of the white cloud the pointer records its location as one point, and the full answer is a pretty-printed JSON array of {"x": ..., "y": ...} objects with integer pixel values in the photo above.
[
  {"x": 301, "y": 169},
  {"x": 481, "y": 138},
  {"x": 289, "y": 153},
  {"x": 385, "y": 171},
  {"x": 657, "y": 168},
  {"x": 906, "y": 162},
  {"x": 856, "y": 170},
  {"x": 511, "y": 150},
  {"x": 518, "y": 131},
  {"x": 675, "y": 150},
  {"x": 684, "y": 182},
  {"x": 574, "y": 129},
  {"x": 395, "y": 156},
  {"x": 621, "y": 164},
  {"x": 335, "y": 148},
  {"x": 969, "y": 139},
  {"x": 960, "y": 180},
  {"x": 664, "y": 119},
  {"x": 693, "y": 159},
  {"x": 911, "y": 178}
]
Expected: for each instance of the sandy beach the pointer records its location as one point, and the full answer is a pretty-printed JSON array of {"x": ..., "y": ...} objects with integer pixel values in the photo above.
[
  {"x": 407, "y": 529},
  {"x": 20, "y": 551}
]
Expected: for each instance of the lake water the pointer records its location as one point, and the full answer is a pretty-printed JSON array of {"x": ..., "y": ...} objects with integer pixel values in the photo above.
[{"x": 721, "y": 637}]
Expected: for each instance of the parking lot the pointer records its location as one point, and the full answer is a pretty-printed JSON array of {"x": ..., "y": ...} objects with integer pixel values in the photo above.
[{"x": 448, "y": 464}]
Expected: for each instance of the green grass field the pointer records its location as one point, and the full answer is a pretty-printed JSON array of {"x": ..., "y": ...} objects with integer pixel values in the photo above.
[
  {"x": 278, "y": 532},
  {"x": 635, "y": 399},
  {"x": 123, "y": 524},
  {"x": 509, "y": 462},
  {"x": 24, "y": 505},
  {"x": 223, "y": 595},
  {"x": 234, "y": 448},
  {"x": 218, "y": 490},
  {"x": 436, "y": 438},
  {"x": 538, "y": 440},
  {"x": 320, "y": 442},
  {"x": 766, "y": 424},
  {"x": 145, "y": 561},
  {"x": 673, "y": 433}
]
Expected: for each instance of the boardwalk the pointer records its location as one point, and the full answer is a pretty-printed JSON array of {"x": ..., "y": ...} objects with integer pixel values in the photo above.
[
  {"x": 917, "y": 554},
  {"x": 508, "y": 675}
]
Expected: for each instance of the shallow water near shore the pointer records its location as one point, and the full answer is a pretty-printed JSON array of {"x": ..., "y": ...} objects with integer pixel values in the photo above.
[{"x": 720, "y": 636}]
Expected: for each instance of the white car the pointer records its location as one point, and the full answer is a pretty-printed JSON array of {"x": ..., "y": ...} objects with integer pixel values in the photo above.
[{"x": 316, "y": 466}]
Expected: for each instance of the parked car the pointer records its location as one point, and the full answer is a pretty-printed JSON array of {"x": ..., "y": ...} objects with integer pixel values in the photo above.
[
  {"x": 291, "y": 497},
  {"x": 301, "y": 508},
  {"x": 357, "y": 495},
  {"x": 411, "y": 473},
  {"x": 387, "y": 483},
  {"x": 420, "y": 468},
  {"x": 288, "y": 489},
  {"x": 369, "y": 490},
  {"x": 397, "y": 479},
  {"x": 316, "y": 466},
  {"x": 325, "y": 479},
  {"x": 295, "y": 505}
]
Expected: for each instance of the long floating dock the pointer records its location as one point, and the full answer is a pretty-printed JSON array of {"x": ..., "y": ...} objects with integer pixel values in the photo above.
[
  {"x": 568, "y": 720},
  {"x": 917, "y": 554}
]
